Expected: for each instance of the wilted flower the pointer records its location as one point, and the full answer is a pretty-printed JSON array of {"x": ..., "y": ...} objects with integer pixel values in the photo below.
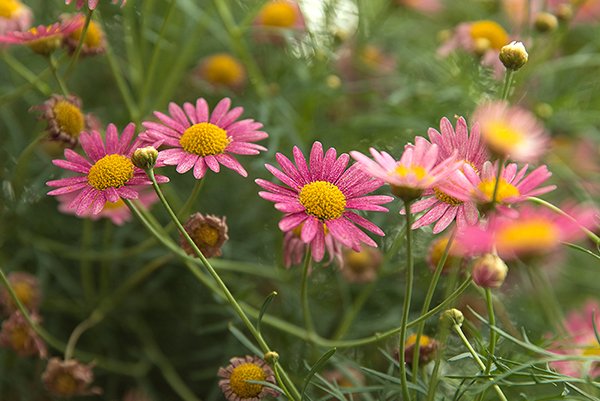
[
  {"x": 18, "y": 335},
  {"x": 361, "y": 267},
  {"x": 234, "y": 384},
  {"x": 208, "y": 232},
  {"x": 27, "y": 290},
  {"x": 222, "y": 69},
  {"x": 14, "y": 16},
  {"x": 427, "y": 349},
  {"x": 347, "y": 377},
  {"x": 69, "y": 378},
  {"x": 65, "y": 118}
]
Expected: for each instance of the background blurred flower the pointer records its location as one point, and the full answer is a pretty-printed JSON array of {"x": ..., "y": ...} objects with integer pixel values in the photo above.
[
  {"x": 14, "y": 16},
  {"x": 69, "y": 378},
  {"x": 94, "y": 42},
  {"x": 27, "y": 289},
  {"x": 362, "y": 266},
  {"x": 92, "y": 4},
  {"x": 18, "y": 335},
  {"x": 222, "y": 69}
]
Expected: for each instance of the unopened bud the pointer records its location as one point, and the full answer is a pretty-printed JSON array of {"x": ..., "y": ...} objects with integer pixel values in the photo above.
[
  {"x": 271, "y": 357},
  {"x": 514, "y": 55},
  {"x": 145, "y": 158},
  {"x": 564, "y": 12},
  {"x": 333, "y": 81},
  {"x": 545, "y": 22},
  {"x": 452, "y": 317},
  {"x": 489, "y": 271}
]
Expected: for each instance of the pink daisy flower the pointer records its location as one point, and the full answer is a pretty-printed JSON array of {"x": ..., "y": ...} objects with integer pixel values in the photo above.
[
  {"x": 320, "y": 198},
  {"x": 536, "y": 231},
  {"x": 92, "y": 4},
  {"x": 582, "y": 341},
  {"x": 42, "y": 39},
  {"x": 294, "y": 249},
  {"x": 14, "y": 16},
  {"x": 202, "y": 140},
  {"x": 106, "y": 175},
  {"x": 514, "y": 186},
  {"x": 417, "y": 170},
  {"x": 511, "y": 131},
  {"x": 442, "y": 208}
]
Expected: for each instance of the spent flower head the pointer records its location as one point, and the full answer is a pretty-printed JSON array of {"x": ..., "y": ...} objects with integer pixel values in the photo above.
[
  {"x": 361, "y": 267},
  {"x": 208, "y": 232},
  {"x": 69, "y": 378},
  {"x": 234, "y": 383},
  {"x": 65, "y": 118},
  {"x": 27, "y": 289},
  {"x": 18, "y": 335}
]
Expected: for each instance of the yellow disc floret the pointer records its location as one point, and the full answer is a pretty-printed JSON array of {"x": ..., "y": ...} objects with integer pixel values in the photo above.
[
  {"x": 529, "y": 235},
  {"x": 502, "y": 138},
  {"x": 278, "y": 14},
  {"x": 417, "y": 171},
  {"x": 206, "y": 234},
  {"x": 44, "y": 45},
  {"x": 412, "y": 340},
  {"x": 65, "y": 384},
  {"x": 505, "y": 190},
  {"x": 204, "y": 139},
  {"x": 25, "y": 293},
  {"x": 8, "y": 8},
  {"x": 93, "y": 36},
  {"x": 110, "y": 171},
  {"x": 69, "y": 118},
  {"x": 239, "y": 377},
  {"x": 490, "y": 30},
  {"x": 444, "y": 197},
  {"x": 323, "y": 200},
  {"x": 223, "y": 69}
]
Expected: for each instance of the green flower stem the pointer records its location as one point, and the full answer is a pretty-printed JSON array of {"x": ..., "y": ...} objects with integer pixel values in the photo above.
[
  {"x": 444, "y": 332},
  {"x": 75, "y": 57},
  {"x": 427, "y": 302},
  {"x": 308, "y": 322},
  {"x": 508, "y": 79},
  {"x": 54, "y": 68},
  {"x": 493, "y": 335},
  {"x": 87, "y": 278},
  {"x": 480, "y": 363},
  {"x": 185, "y": 210},
  {"x": 34, "y": 79},
  {"x": 351, "y": 314},
  {"x": 497, "y": 183},
  {"x": 406, "y": 305},
  {"x": 241, "y": 48}
]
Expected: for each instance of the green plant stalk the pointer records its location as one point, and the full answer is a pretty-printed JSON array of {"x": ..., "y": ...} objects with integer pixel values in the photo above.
[
  {"x": 27, "y": 74},
  {"x": 54, "y": 68},
  {"x": 498, "y": 177},
  {"x": 85, "y": 267},
  {"x": 444, "y": 331},
  {"x": 427, "y": 302},
  {"x": 480, "y": 363},
  {"x": 353, "y": 311},
  {"x": 546, "y": 296},
  {"x": 508, "y": 79},
  {"x": 406, "y": 305},
  {"x": 489, "y": 300},
  {"x": 308, "y": 322},
  {"x": 75, "y": 57}
]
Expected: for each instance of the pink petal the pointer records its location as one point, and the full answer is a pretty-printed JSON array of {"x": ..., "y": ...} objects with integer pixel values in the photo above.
[
  {"x": 219, "y": 111},
  {"x": 291, "y": 221},
  {"x": 309, "y": 229}
]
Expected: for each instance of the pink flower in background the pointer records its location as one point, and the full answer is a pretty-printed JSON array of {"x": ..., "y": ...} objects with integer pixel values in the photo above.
[
  {"x": 106, "y": 175},
  {"x": 42, "y": 39},
  {"x": 511, "y": 131},
  {"x": 417, "y": 170},
  {"x": 423, "y": 6},
  {"x": 443, "y": 209},
  {"x": 294, "y": 249},
  {"x": 14, "y": 16},
  {"x": 92, "y": 4},
  {"x": 581, "y": 340},
  {"x": 535, "y": 232},
  {"x": 320, "y": 198},
  {"x": 587, "y": 11},
  {"x": 202, "y": 140}
]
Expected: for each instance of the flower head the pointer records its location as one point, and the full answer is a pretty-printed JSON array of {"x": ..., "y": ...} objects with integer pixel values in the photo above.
[
  {"x": 94, "y": 41},
  {"x": 27, "y": 289},
  {"x": 511, "y": 132},
  {"x": 222, "y": 69},
  {"x": 320, "y": 198},
  {"x": 234, "y": 384},
  {"x": 65, "y": 118},
  {"x": 42, "y": 39},
  {"x": 18, "y": 335},
  {"x": 106, "y": 175},
  {"x": 427, "y": 349},
  {"x": 92, "y": 4},
  {"x": 14, "y": 16},
  {"x": 514, "y": 55},
  {"x": 280, "y": 14},
  {"x": 202, "y": 140},
  {"x": 417, "y": 170},
  {"x": 208, "y": 232},
  {"x": 69, "y": 378},
  {"x": 361, "y": 267}
]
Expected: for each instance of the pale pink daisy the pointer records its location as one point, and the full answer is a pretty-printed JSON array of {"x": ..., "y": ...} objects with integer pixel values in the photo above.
[
  {"x": 235, "y": 376},
  {"x": 202, "y": 140},
  {"x": 514, "y": 185},
  {"x": 581, "y": 340},
  {"x": 92, "y": 4},
  {"x": 42, "y": 39},
  {"x": 14, "y": 16},
  {"x": 106, "y": 175},
  {"x": 443, "y": 209},
  {"x": 417, "y": 170},
  {"x": 320, "y": 198},
  {"x": 511, "y": 131},
  {"x": 294, "y": 249},
  {"x": 535, "y": 232}
]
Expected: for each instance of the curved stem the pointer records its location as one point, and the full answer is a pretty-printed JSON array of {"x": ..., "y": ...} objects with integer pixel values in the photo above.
[
  {"x": 34, "y": 79},
  {"x": 493, "y": 336},
  {"x": 59, "y": 80},
  {"x": 406, "y": 306},
  {"x": 84, "y": 30},
  {"x": 508, "y": 78},
  {"x": 308, "y": 322}
]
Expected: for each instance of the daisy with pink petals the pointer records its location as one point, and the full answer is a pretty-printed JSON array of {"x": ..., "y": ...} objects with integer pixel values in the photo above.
[
  {"x": 200, "y": 140},
  {"x": 106, "y": 175},
  {"x": 92, "y": 4},
  {"x": 319, "y": 198},
  {"x": 535, "y": 232},
  {"x": 42, "y": 39},
  {"x": 14, "y": 16},
  {"x": 294, "y": 248},
  {"x": 417, "y": 170},
  {"x": 443, "y": 209}
]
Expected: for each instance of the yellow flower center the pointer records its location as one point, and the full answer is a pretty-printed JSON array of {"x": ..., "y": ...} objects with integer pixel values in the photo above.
[
  {"x": 223, "y": 69},
  {"x": 110, "y": 171},
  {"x": 19, "y": 338},
  {"x": 502, "y": 138},
  {"x": 65, "y": 384},
  {"x": 69, "y": 118},
  {"x": 242, "y": 373},
  {"x": 417, "y": 171},
  {"x": 25, "y": 293},
  {"x": 278, "y": 14},
  {"x": 436, "y": 251},
  {"x": 505, "y": 190},
  {"x": 358, "y": 262},
  {"x": 204, "y": 139},
  {"x": 412, "y": 340},
  {"x": 323, "y": 200},
  {"x": 444, "y": 197},
  {"x": 45, "y": 45},
  {"x": 93, "y": 36},
  {"x": 8, "y": 8},
  {"x": 490, "y": 30},
  {"x": 114, "y": 205},
  {"x": 206, "y": 234},
  {"x": 371, "y": 56},
  {"x": 528, "y": 235},
  {"x": 592, "y": 350}
]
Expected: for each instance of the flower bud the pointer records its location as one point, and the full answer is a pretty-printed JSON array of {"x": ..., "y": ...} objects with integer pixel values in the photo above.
[
  {"x": 545, "y": 22},
  {"x": 452, "y": 317},
  {"x": 514, "y": 55},
  {"x": 489, "y": 271},
  {"x": 145, "y": 158},
  {"x": 271, "y": 357},
  {"x": 564, "y": 12}
]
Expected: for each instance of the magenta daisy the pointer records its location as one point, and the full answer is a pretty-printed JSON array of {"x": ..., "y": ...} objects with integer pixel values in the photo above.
[
  {"x": 107, "y": 175},
  {"x": 514, "y": 185},
  {"x": 443, "y": 209},
  {"x": 417, "y": 170},
  {"x": 319, "y": 198},
  {"x": 42, "y": 39},
  {"x": 92, "y": 4},
  {"x": 202, "y": 140}
]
